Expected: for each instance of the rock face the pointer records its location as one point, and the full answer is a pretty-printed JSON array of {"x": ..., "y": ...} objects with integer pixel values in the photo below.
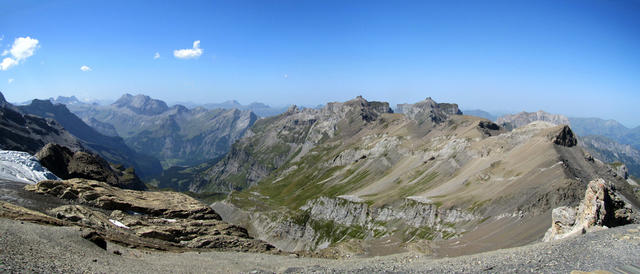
[
  {"x": 68, "y": 164},
  {"x": 111, "y": 148},
  {"x": 176, "y": 135},
  {"x": 22, "y": 167},
  {"x": 523, "y": 118},
  {"x": 602, "y": 207},
  {"x": 160, "y": 220}
]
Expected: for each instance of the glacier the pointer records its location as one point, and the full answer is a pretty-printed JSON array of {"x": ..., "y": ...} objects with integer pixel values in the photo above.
[{"x": 23, "y": 167}]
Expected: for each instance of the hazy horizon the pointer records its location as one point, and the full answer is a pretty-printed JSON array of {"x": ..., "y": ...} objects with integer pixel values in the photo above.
[{"x": 577, "y": 58}]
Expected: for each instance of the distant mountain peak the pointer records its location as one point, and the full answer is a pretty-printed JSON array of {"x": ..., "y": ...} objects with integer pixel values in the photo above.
[
  {"x": 141, "y": 104},
  {"x": 524, "y": 118},
  {"x": 428, "y": 109}
]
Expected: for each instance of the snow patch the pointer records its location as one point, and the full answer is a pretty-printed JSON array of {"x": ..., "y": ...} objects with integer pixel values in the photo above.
[
  {"x": 23, "y": 167},
  {"x": 118, "y": 223}
]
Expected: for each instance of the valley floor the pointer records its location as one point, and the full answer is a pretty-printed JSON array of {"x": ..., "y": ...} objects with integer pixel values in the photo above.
[{"x": 27, "y": 247}]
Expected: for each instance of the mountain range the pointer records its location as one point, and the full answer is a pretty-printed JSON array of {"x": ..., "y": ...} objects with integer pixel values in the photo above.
[
  {"x": 354, "y": 175},
  {"x": 356, "y": 172},
  {"x": 177, "y": 136}
]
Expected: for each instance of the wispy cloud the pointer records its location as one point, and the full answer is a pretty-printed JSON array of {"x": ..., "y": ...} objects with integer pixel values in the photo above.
[
  {"x": 285, "y": 76},
  {"x": 191, "y": 53},
  {"x": 23, "y": 48},
  {"x": 156, "y": 56},
  {"x": 85, "y": 68},
  {"x": 10, "y": 80}
]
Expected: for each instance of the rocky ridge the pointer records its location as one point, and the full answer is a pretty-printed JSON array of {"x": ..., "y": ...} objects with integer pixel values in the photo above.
[{"x": 29, "y": 133}]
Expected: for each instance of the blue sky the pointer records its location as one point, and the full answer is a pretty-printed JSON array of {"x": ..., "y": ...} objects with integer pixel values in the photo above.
[{"x": 579, "y": 58}]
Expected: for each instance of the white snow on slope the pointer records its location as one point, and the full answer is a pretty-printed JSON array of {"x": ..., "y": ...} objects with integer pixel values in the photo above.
[{"x": 22, "y": 167}]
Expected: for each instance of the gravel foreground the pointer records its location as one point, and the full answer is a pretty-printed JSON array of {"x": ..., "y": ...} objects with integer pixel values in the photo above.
[{"x": 27, "y": 247}]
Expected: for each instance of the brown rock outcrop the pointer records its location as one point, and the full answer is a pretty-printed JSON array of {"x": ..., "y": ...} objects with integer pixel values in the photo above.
[
  {"x": 154, "y": 219},
  {"x": 102, "y": 195}
]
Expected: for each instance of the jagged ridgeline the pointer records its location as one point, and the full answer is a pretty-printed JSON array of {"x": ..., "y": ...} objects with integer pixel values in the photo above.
[{"x": 356, "y": 171}]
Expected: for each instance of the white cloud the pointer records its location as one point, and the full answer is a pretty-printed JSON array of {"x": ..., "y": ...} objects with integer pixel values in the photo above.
[
  {"x": 10, "y": 80},
  {"x": 23, "y": 48},
  {"x": 156, "y": 56},
  {"x": 85, "y": 68},
  {"x": 194, "y": 52},
  {"x": 7, "y": 63},
  {"x": 286, "y": 76}
]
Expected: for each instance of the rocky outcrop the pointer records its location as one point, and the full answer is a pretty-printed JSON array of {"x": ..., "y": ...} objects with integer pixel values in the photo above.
[
  {"x": 99, "y": 194},
  {"x": 565, "y": 137},
  {"x": 68, "y": 164},
  {"x": 602, "y": 207},
  {"x": 22, "y": 167},
  {"x": 158, "y": 220},
  {"x": 523, "y": 118}
]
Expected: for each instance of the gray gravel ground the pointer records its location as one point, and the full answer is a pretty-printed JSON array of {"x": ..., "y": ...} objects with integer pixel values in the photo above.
[{"x": 27, "y": 247}]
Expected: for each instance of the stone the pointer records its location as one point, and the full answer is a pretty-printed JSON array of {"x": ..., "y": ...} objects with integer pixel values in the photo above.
[{"x": 95, "y": 238}]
